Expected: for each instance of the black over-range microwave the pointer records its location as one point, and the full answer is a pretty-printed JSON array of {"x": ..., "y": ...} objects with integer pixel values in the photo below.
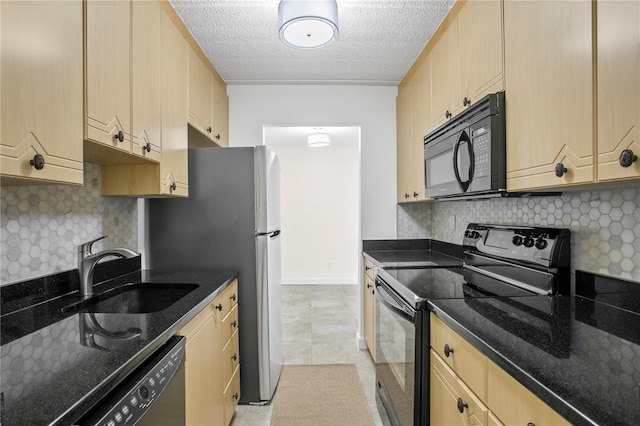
[{"x": 466, "y": 157}]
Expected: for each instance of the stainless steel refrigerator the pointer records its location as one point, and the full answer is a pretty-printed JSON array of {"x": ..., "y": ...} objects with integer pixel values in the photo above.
[{"x": 231, "y": 220}]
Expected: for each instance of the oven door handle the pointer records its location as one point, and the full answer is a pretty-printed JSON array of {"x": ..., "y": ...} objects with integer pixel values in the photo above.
[{"x": 386, "y": 299}]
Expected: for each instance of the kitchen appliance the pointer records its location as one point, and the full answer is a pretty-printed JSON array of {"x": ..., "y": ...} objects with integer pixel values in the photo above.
[
  {"x": 466, "y": 157},
  {"x": 521, "y": 265},
  {"x": 152, "y": 395},
  {"x": 231, "y": 220}
]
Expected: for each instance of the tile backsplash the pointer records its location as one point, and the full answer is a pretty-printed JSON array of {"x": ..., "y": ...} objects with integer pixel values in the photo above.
[
  {"x": 42, "y": 225},
  {"x": 605, "y": 225}
]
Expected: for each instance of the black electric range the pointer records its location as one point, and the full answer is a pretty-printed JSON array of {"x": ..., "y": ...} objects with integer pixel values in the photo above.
[{"x": 527, "y": 264}]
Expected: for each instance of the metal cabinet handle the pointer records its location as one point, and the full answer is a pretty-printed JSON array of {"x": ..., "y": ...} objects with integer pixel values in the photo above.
[
  {"x": 234, "y": 324},
  {"x": 217, "y": 136},
  {"x": 369, "y": 285},
  {"x": 466, "y": 101},
  {"x": 447, "y": 351},
  {"x": 146, "y": 147},
  {"x": 209, "y": 130},
  {"x": 462, "y": 405},
  {"x": 234, "y": 357},
  {"x": 447, "y": 114},
  {"x": 173, "y": 186},
  {"x": 219, "y": 306},
  {"x": 119, "y": 136},
  {"x": 233, "y": 297},
  {"x": 235, "y": 396},
  {"x": 415, "y": 195},
  {"x": 531, "y": 424},
  {"x": 560, "y": 170},
  {"x": 627, "y": 158},
  {"x": 37, "y": 162},
  {"x": 406, "y": 195},
  {"x": 366, "y": 268}
]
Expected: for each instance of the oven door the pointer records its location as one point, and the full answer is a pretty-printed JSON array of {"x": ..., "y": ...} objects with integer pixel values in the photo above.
[{"x": 395, "y": 355}]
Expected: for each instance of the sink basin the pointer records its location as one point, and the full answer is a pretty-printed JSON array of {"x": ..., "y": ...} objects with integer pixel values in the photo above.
[{"x": 133, "y": 298}]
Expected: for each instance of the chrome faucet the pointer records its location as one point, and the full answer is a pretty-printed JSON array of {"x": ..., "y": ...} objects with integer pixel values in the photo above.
[{"x": 87, "y": 262}]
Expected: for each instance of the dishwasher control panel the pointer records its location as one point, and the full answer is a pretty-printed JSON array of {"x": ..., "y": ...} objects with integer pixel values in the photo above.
[{"x": 129, "y": 402}]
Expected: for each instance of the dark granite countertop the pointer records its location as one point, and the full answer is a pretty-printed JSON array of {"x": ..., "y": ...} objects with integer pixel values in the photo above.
[
  {"x": 49, "y": 377},
  {"x": 582, "y": 358},
  {"x": 395, "y": 253}
]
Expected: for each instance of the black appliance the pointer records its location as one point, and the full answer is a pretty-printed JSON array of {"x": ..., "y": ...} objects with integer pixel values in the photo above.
[
  {"x": 466, "y": 157},
  {"x": 154, "y": 394},
  {"x": 506, "y": 263}
]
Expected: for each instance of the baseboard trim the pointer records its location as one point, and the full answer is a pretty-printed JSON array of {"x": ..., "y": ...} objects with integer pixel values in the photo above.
[{"x": 319, "y": 281}]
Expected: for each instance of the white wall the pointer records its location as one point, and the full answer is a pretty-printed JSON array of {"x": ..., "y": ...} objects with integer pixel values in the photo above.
[
  {"x": 373, "y": 108},
  {"x": 319, "y": 199}
]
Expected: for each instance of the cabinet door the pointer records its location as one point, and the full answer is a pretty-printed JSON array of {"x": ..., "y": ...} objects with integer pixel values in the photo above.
[
  {"x": 200, "y": 95},
  {"x": 618, "y": 74},
  {"x": 451, "y": 401},
  {"x": 445, "y": 74},
  {"x": 549, "y": 93},
  {"x": 403, "y": 143},
  {"x": 107, "y": 74},
  {"x": 420, "y": 125},
  {"x": 173, "y": 164},
  {"x": 146, "y": 90},
  {"x": 41, "y": 57},
  {"x": 369, "y": 316},
  {"x": 220, "y": 113},
  {"x": 203, "y": 366},
  {"x": 480, "y": 49}
]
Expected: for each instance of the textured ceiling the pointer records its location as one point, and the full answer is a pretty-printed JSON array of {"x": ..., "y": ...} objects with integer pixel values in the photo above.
[{"x": 378, "y": 41}]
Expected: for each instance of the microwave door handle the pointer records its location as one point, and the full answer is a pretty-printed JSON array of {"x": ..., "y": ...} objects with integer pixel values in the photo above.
[{"x": 463, "y": 137}]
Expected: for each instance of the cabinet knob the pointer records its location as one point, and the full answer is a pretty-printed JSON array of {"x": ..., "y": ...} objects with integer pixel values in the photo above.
[
  {"x": 119, "y": 136},
  {"x": 627, "y": 158},
  {"x": 531, "y": 424},
  {"x": 217, "y": 136},
  {"x": 234, "y": 324},
  {"x": 406, "y": 195},
  {"x": 209, "y": 130},
  {"x": 173, "y": 186},
  {"x": 447, "y": 114},
  {"x": 447, "y": 351},
  {"x": 37, "y": 162},
  {"x": 234, "y": 356},
  {"x": 560, "y": 170},
  {"x": 466, "y": 101},
  {"x": 146, "y": 147},
  {"x": 415, "y": 194},
  {"x": 235, "y": 396},
  {"x": 462, "y": 405},
  {"x": 219, "y": 306},
  {"x": 369, "y": 285},
  {"x": 233, "y": 297},
  {"x": 366, "y": 268}
]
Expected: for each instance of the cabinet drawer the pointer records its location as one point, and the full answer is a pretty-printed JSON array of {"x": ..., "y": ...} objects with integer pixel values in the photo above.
[
  {"x": 465, "y": 360},
  {"x": 451, "y": 401},
  {"x": 227, "y": 299},
  {"x": 514, "y": 404},
  {"x": 230, "y": 358},
  {"x": 229, "y": 324},
  {"x": 231, "y": 396},
  {"x": 370, "y": 269}
]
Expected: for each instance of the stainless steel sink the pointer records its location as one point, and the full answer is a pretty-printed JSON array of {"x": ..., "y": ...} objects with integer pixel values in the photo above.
[{"x": 133, "y": 298}]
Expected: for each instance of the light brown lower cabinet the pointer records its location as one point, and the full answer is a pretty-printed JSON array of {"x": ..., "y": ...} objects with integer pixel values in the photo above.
[
  {"x": 469, "y": 389},
  {"x": 369, "y": 306},
  {"x": 212, "y": 363}
]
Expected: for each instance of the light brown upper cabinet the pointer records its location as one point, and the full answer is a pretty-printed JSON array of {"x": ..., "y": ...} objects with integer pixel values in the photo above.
[
  {"x": 220, "y": 113},
  {"x": 549, "y": 93},
  {"x": 403, "y": 142},
  {"x": 41, "y": 101},
  {"x": 107, "y": 81},
  {"x": 200, "y": 95},
  {"x": 618, "y": 24},
  {"x": 466, "y": 60},
  {"x": 146, "y": 90}
]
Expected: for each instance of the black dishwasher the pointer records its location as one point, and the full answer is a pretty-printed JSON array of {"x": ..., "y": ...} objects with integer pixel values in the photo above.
[{"x": 152, "y": 395}]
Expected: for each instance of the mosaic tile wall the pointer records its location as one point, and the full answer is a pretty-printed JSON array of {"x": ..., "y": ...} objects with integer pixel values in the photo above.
[
  {"x": 42, "y": 225},
  {"x": 605, "y": 225}
]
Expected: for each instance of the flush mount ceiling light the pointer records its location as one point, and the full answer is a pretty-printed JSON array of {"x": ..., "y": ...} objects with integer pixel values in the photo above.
[
  {"x": 308, "y": 24},
  {"x": 318, "y": 140}
]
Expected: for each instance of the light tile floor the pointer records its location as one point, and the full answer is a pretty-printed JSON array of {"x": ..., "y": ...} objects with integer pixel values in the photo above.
[{"x": 320, "y": 325}]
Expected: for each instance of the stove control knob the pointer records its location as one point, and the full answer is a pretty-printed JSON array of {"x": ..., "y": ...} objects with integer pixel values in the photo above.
[
  {"x": 475, "y": 234},
  {"x": 467, "y": 234},
  {"x": 517, "y": 240},
  {"x": 541, "y": 244},
  {"x": 529, "y": 242}
]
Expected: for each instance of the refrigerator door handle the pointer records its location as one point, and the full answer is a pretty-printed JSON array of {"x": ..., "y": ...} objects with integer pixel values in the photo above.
[{"x": 275, "y": 234}]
